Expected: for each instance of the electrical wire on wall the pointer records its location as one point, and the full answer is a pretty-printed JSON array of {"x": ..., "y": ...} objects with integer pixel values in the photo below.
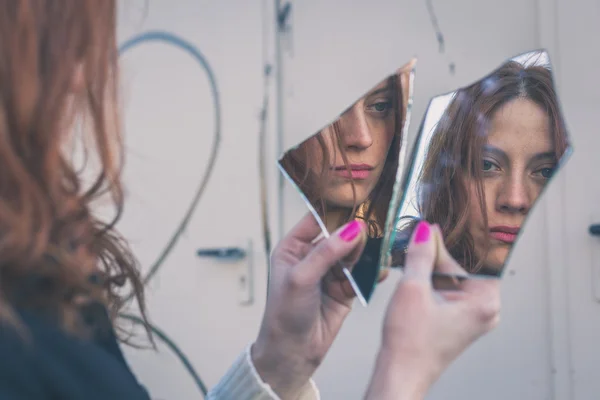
[
  {"x": 439, "y": 35},
  {"x": 436, "y": 26},
  {"x": 262, "y": 157},
  {"x": 282, "y": 31},
  {"x": 171, "y": 39},
  {"x": 262, "y": 149}
]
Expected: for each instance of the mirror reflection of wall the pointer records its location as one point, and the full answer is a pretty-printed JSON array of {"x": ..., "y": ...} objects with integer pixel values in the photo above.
[
  {"x": 484, "y": 155},
  {"x": 348, "y": 169}
]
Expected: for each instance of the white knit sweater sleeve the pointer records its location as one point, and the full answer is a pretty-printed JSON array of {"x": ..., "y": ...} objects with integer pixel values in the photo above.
[{"x": 242, "y": 382}]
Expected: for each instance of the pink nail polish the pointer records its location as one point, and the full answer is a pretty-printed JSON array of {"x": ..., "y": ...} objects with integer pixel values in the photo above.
[
  {"x": 422, "y": 232},
  {"x": 351, "y": 231}
]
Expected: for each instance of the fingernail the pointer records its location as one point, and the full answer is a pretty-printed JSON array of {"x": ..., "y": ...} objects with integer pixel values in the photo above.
[
  {"x": 422, "y": 232},
  {"x": 351, "y": 231}
]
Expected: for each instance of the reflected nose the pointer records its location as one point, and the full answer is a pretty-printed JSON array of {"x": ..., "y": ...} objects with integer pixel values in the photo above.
[
  {"x": 515, "y": 196},
  {"x": 355, "y": 132}
]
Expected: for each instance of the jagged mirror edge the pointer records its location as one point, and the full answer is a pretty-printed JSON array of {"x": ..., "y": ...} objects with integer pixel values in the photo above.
[
  {"x": 401, "y": 190},
  {"x": 324, "y": 232},
  {"x": 566, "y": 156},
  {"x": 312, "y": 210},
  {"x": 399, "y": 187}
]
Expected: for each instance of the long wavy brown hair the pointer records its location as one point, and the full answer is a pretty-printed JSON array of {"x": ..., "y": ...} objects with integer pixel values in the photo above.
[
  {"x": 58, "y": 70},
  {"x": 374, "y": 210},
  {"x": 455, "y": 152}
]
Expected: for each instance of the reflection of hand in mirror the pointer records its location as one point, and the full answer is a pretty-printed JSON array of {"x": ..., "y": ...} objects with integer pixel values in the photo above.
[{"x": 489, "y": 157}]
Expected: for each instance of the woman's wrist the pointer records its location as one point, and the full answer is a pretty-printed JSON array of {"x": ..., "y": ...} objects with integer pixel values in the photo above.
[
  {"x": 286, "y": 375},
  {"x": 397, "y": 379}
]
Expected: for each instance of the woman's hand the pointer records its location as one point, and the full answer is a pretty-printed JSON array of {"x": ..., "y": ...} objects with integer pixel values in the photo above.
[
  {"x": 424, "y": 329},
  {"x": 309, "y": 298}
]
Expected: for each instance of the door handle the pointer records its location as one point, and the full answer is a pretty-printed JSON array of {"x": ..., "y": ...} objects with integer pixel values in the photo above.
[
  {"x": 236, "y": 254},
  {"x": 223, "y": 253},
  {"x": 594, "y": 230}
]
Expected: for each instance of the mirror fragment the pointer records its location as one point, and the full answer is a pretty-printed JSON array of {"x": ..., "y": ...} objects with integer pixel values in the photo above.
[
  {"x": 483, "y": 156},
  {"x": 348, "y": 170}
]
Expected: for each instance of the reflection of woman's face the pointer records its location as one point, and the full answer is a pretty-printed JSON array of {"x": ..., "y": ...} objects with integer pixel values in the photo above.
[
  {"x": 518, "y": 160},
  {"x": 366, "y": 131}
]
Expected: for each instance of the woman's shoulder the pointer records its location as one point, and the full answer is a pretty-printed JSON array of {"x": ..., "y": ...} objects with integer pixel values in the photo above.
[{"x": 41, "y": 361}]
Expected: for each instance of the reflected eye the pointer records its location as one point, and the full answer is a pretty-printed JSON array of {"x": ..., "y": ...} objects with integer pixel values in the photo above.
[
  {"x": 546, "y": 173},
  {"x": 383, "y": 106},
  {"x": 489, "y": 166}
]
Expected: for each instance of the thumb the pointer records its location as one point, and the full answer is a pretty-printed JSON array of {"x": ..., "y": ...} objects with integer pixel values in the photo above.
[
  {"x": 421, "y": 254},
  {"x": 347, "y": 240}
]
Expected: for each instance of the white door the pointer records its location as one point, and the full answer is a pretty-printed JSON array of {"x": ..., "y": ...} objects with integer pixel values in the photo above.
[
  {"x": 337, "y": 52},
  {"x": 169, "y": 119},
  {"x": 579, "y": 53}
]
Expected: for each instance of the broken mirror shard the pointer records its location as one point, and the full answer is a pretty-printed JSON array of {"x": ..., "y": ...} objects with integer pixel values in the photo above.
[
  {"x": 348, "y": 170},
  {"x": 483, "y": 156}
]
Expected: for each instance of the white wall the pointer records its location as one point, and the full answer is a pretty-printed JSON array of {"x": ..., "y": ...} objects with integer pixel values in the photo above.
[{"x": 337, "y": 51}]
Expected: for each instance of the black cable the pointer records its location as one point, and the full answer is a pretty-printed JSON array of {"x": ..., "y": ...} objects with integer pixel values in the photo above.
[
  {"x": 169, "y": 38},
  {"x": 438, "y": 34},
  {"x": 173, "y": 347},
  {"x": 174, "y": 40},
  {"x": 436, "y": 26},
  {"x": 262, "y": 152},
  {"x": 262, "y": 157}
]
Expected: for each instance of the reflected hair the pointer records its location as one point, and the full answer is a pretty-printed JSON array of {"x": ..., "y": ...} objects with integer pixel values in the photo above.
[
  {"x": 455, "y": 152},
  {"x": 58, "y": 71},
  {"x": 373, "y": 211}
]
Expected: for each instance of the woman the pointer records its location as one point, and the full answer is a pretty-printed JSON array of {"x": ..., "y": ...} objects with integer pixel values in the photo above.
[
  {"x": 61, "y": 268},
  {"x": 348, "y": 169},
  {"x": 490, "y": 156}
]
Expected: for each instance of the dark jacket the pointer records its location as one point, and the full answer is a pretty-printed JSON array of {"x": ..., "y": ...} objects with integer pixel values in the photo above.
[{"x": 55, "y": 365}]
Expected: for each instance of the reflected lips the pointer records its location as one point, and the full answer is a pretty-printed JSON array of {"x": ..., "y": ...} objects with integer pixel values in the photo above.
[
  {"x": 357, "y": 171},
  {"x": 506, "y": 234}
]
